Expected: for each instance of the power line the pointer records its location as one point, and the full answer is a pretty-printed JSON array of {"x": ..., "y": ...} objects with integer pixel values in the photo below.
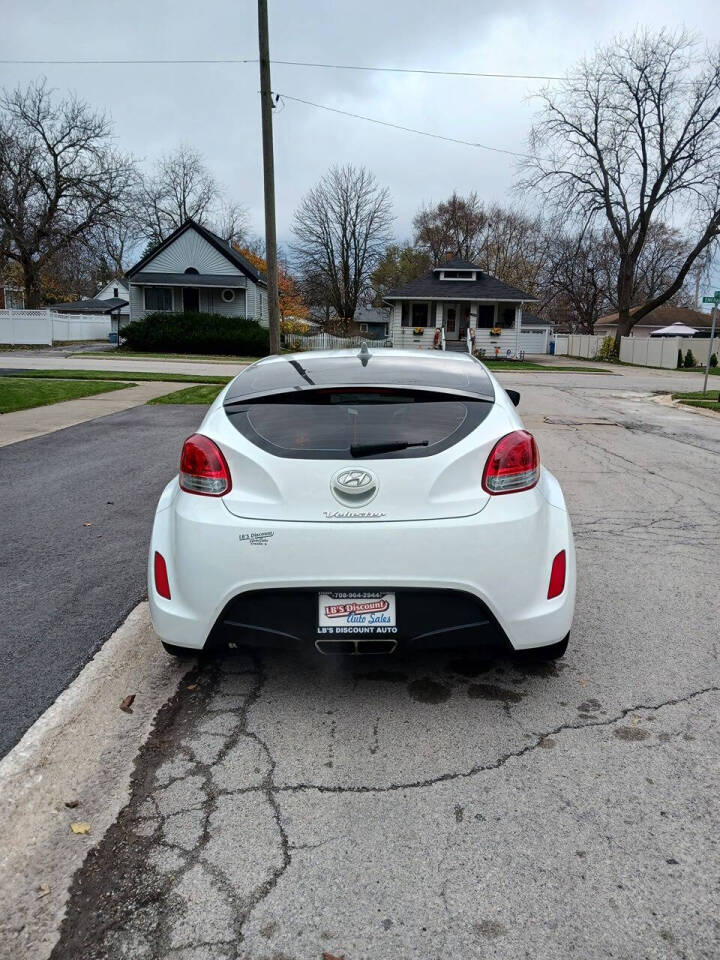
[
  {"x": 286, "y": 63},
  {"x": 397, "y": 126}
]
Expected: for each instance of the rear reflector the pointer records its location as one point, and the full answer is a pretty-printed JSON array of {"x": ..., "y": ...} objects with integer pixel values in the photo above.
[
  {"x": 513, "y": 465},
  {"x": 557, "y": 576},
  {"x": 203, "y": 469},
  {"x": 162, "y": 584}
]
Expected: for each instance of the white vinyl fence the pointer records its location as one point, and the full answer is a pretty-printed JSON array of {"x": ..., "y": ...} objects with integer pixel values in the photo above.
[
  {"x": 326, "y": 341},
  {"x": 642, "y": 351},
  {"x": 36, "y": 327}
]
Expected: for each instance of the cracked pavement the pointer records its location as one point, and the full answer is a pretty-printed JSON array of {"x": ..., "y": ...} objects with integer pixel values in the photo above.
[{"x": 285, "y": 807}]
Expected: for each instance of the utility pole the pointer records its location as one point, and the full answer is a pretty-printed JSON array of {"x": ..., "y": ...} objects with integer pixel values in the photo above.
[{"x": 266, "y": 106}]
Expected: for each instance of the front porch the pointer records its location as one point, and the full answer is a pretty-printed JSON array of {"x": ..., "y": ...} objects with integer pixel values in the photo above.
[
  {"x": 188, "y": 293},
  {"x": 494, "y": 326}
]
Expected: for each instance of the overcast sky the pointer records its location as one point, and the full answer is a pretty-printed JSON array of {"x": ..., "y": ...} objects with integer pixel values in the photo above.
[{"x": 216, "y": 107}]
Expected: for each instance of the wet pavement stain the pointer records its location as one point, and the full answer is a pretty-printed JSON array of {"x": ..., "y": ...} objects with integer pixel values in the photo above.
[
  {"x": 631, "y": 734},
  {"x": 459, "y": 813},
  {"x": 589, "y": 706},
  {"x": 489, "y": 928},
  {"x": 491, "y": 691},
  {"x": 469, "y": 666},
  {"x": 426, "y": 690}
]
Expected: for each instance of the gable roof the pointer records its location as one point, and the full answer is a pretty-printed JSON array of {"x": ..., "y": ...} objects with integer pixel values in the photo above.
[
  {"x": 663, "y": 316},
  {"x": 430, "y": 287},
  {"x": 222, "y": 246}
]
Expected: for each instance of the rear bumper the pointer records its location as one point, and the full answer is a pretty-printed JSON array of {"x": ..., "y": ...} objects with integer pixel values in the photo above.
[{"x": 499, "y": 560}]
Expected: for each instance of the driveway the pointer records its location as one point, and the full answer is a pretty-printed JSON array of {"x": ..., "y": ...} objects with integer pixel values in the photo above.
[
  {"x": 299, "y": 808},
  {"x": 75, "y": 527}
]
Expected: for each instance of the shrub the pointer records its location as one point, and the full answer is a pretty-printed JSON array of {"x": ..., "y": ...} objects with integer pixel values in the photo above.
[
  {"x": 680, "y": 359},
  {"x": 713, "y": 359},
  {"x": 689, "y": 359},
  {"x": 197, "y": 333},
  {"x": 607, "y": 349}
]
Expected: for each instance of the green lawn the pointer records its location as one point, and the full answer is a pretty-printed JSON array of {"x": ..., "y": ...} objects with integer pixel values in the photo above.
[
  {"x": 120, "y": 375},
  {"x": 709, "y": 400},
  {"x": 21, "y": 394},
  {"x": 188, "y": 357},
  {"x": 512, "y": 365},
  {"x": 205, "y": 393}
]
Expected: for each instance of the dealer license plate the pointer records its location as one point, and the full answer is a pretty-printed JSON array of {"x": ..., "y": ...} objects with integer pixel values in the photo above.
[{"x": 369, "y": 614}]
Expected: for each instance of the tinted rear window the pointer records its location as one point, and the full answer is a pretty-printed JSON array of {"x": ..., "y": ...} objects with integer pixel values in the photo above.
[
  {"x": 339, "y": 424},
  {"x": 382, "y": 369}
]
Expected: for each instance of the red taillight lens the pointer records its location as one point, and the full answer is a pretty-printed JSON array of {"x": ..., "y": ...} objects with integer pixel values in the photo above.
[
  {"x": 203, "y": 469},
  {"x": 513, "y": 465},
  {"x": 162, "y": 584},
  {"x": 557, "y": 576}
]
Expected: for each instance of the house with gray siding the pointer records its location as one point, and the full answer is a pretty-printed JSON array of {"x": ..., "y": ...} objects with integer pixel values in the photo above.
[
  {"x": 192, "y": 271},
  {"x": 458, "y": 298}
]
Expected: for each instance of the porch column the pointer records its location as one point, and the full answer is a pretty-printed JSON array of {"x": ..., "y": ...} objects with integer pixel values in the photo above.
[
  {"x": 438, "y": 314},
  {"x": 518, "y": 325}
]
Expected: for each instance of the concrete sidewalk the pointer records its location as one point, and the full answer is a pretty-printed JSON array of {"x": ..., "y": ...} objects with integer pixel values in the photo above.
[
  {"x": 24, "y": 424},
  {"x": 11, "y": 360}
]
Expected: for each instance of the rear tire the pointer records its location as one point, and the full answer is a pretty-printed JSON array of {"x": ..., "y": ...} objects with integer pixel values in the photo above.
[
  {"x": 182, "y": 653},
  {"x": 552, "y": 652}
]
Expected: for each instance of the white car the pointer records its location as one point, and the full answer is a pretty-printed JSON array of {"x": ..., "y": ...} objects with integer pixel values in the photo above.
[{"x": 363, "y": 502}]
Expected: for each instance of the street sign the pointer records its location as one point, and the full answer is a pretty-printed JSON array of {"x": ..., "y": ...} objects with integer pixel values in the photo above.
[{"x": 714, "y": 299}]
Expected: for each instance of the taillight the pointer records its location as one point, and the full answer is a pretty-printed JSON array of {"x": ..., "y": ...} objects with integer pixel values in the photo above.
[
  {"x": 162, "y": 584},
  {"x": 203, "y": 469},
  {"x": 557, "y": 576},
  {"x": 513, "y": 465}
]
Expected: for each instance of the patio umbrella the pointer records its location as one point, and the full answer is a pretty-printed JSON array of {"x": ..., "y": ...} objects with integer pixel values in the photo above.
[{"x": 675, "y": 330}]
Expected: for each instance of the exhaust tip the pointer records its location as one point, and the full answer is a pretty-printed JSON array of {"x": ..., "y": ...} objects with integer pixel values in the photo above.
[{"x": 355, "y": 648}]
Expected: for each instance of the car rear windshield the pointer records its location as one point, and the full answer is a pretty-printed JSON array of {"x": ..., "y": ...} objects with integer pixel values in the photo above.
[
  {"x": 429, "y": 370},
  {"x": 359, "y": 424}
]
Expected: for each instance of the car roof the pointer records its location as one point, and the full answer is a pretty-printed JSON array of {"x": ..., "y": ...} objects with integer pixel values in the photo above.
[{"x": 435, "y": 371}]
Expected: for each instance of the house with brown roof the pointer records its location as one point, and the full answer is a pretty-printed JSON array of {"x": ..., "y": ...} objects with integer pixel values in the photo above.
[{"x": 657, "y": 319}]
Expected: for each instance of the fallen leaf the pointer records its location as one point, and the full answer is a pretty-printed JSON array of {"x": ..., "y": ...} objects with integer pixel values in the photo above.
[
  {"x": 331, "y": 956},
  {"x": 81, "y": 827},
  {"x": 87, "y": 524},
  {"x": 583, "y": 682},
  {"x": 71, "y": 804},
  {"x": 127, "y": 703},
  {"x": 43, "y": 890},
  {"x": 191, "y": 686}
]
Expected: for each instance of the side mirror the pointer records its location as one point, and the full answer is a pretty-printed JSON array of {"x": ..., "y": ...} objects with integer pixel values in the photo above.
[{"x": 514, "y": 396}]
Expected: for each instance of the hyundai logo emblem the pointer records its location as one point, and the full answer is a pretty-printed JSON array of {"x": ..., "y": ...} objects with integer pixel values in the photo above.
[{"x": 354, "y": 487}]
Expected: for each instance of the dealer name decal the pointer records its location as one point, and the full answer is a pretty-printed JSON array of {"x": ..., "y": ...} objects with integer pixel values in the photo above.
[{"x": 259, "y": 539}]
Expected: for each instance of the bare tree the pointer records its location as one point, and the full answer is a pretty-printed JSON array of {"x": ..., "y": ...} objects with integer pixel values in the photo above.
[
  {"x": 231, "y": 222},
  {"x": 60, "y": 179},
  {"x": 341, "y": 228},
  {"x": 630, "y": 138},
  {"x": 399, "y": 264},
  {"x": 573, "y": 286},
  {"x": 513, "y": 247},
  {"x": 451, "y": 228}
]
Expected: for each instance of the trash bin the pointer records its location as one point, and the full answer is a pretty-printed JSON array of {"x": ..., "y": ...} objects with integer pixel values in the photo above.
[{"x": 551, "y": 348}]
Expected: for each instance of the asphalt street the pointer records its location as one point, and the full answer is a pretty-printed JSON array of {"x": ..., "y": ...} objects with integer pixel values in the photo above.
[
  {"x": 77, "y": 508},
  {"x": 299, "y": 808}
]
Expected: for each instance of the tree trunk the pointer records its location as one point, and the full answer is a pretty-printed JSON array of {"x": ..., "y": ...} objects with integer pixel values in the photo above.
[
  {"x": 31, "y": 282},
  {"x": 624, "y": 326}
]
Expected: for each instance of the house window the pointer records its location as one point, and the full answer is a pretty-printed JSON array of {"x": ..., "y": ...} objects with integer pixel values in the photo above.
[
  {"x": 419, "y": 315},
  {"x": 158, "y": 298},
  {"x": 115, "y": 293},
  {"x": 191, "y": 270},
  {"x": 458, "y": 274},
  {"x": 405, "y": 314},
  {"x": 363, "y": 328},
  {"x": 486, "y": 316},
  {"x": 507, "y": 318},
  {"x": 228, "y": 296}
]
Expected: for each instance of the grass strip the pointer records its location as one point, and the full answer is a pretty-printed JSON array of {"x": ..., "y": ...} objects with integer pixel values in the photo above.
[
  {"x": 205, "y": 393},
  {"x": 22, "y": 394},
  {"x": 709, "y": 400}
]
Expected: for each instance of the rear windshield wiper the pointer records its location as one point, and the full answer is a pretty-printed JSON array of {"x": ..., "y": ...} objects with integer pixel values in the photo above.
[{"x": 365, "y": 449}]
